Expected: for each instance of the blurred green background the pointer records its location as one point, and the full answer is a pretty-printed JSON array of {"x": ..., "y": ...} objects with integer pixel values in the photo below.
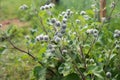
[{"x": 9, "y": 8}]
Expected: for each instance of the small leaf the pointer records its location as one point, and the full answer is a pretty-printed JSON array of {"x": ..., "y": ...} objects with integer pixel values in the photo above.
[
  {"x": 98, "y": 75},
  {"x": 112, "y": 56},
  {"x": 96, "y": 70},
  {"x": 2, "y": 49},
  {"x": 65, "y": 69}
]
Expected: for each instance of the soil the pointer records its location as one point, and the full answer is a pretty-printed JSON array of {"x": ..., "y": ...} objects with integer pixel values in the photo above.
[{"x": 15, "y": 21}]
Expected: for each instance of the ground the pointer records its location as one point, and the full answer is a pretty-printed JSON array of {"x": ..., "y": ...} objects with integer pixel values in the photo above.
[{"x": 15, "y": 21}]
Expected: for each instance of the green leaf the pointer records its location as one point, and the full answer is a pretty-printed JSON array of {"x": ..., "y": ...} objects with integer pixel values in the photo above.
[
  {"x": 98, "y": 75},
  {"x": 40, "y": 73},
  {"x": 65, "y": 69},
  {"x": 71, "y": 76},
  {"x": 11, "y": 30},
  {"x": 2, "y": 49},
  {"x": 96, "y": 70}
]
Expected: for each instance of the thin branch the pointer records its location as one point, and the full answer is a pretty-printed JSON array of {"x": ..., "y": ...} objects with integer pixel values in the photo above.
[
  {"x": 77, "y": 68},
  {"x": 43, "y": 27},
  {"x": 92, "y": 44},
  {"x": 80, "y": 73},
  {"x": 113, "y": 9},
  {"x": 28, "y": 53},
  {"x": 20, "y": 49},
  {"x": 84, "y": 41},
  {"x": 80, "y": 47},
  {"x": 82, "y": 54}
]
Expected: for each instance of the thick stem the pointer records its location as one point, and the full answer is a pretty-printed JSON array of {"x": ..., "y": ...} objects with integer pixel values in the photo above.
[
  {"x": 78, "y": 70},
  {"x": 102, "y": 9}
]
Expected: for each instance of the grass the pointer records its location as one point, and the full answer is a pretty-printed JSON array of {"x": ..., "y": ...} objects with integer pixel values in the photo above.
[{"x": 9, "y": 8}]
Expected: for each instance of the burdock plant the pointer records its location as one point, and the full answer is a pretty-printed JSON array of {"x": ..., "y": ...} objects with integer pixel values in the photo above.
[{"x": 73, "y": 46}]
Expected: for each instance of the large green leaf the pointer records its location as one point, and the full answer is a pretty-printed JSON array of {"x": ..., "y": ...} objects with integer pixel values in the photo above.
[
  {"x": 72, "y": 76},
  {"x": 40, "y": 73},
  {"x": 96, "y": 70}
]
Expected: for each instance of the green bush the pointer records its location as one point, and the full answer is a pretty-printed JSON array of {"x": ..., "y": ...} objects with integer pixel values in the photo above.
[{"x": 70, "y": 45}]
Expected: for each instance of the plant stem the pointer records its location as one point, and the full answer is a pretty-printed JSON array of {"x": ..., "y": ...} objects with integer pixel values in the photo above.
[
  {"x": 80, "y": 47},
  {"x": 92, "y": 44},
  {"x": 78, "y": 70},
  {"x": 83, "y": 57},
  {"x": 108, "y": 59},
  {"x": 86, "y": 39},
  {"x": 28, "y": 53},
  {"x": 43, "y": 27},
  {"x": 113, "y": 9}
]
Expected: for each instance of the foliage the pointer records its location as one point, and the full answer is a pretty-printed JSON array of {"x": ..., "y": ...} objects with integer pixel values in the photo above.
[{"x": 70, "y": 45}]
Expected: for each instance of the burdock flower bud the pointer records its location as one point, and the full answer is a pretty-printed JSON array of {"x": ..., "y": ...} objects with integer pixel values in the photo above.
[
  {"x": 95, "y": 35},
  {"x": 59, "y": 35},
  {"x": 46, "y": 7},
  {"x": 45, "y": 38},
  {"x": 57, "y": 39},
  {"x": 52, "y": 5},
  {"x": 50, "y": 46},
  {"x": 112, "y": 5},
  {"x": 91, "y": 60},
  {"x": 23, "y": 7},
  {"x": 62, "y": 31},
  {"x": 39, "y": 38},
  {"x": 64, "y": 20},
  {"x": 117, "y": 31},
  {"x": 66, "y": 16},
  {"x": 95, "y": 31},
  {"x": 58, "y": 23},
  {"x": 89, "y": 31},
  {"x": 1, "y": 25},
  {"x": 68, "y": 10},
  {"x": 86, "y": 17},
  {"x": 64, "y": 51},
  {"x": 108, "y": 74},
  {"x": 116, "y": 35},
  {"x": 42, "y": 8},
  {"x": 117, "y": 42},
  {"x": 53, "y": 20},
  {"x": 117, "y": 46},
  {"x": 82, "y": 13},
  {"x": 63, "y": 26},
  {"x": 68, "y": 13},
  {"x": 77, "y": 21},
  {"x": 63, "y": 13}
]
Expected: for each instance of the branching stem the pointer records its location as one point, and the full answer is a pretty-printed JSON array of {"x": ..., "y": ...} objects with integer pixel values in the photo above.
[{"x": 28, "y": 53}]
